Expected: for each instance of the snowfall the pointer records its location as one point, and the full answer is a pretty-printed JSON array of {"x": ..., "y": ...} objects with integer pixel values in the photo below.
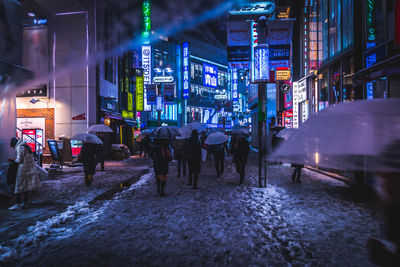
[{"x": 318, "y": 222}]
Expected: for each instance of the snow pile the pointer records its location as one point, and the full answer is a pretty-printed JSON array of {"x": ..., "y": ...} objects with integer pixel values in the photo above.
[{"x": 6, "y": 253}]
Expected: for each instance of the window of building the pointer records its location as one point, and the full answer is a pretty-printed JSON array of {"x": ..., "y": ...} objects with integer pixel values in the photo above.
[
  {"x": 325, "y": 30},
  {"x": 335, "y": 28},
  {"x": 348, "y": 31},
  {"x": 109, "y": 70}
]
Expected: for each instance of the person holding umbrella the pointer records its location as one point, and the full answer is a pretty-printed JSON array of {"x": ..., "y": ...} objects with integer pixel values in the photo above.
[
  {"x": 90, "y": 147},
  {"x": 218, "y": 152},
  {"x": 162, "y": 157},
  {"x": 100, "y": 130},
  {"x": 240, "y": 151},
  {"x": 193, "y": 153},
  {"x": 179, "y": 154}
]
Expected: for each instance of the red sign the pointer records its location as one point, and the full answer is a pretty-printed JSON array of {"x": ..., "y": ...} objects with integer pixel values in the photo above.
[
  {"x": 288, "y": 113},
  {"x": 79, "y": 117}
]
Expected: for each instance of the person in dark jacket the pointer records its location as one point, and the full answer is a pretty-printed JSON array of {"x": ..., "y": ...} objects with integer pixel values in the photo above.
[
  {"x": 88, "y": 158},
  {"x": 240, "y": 150},
  {"x": 297, "y": 172},
  {"x": 161, "y": 158},
  {"x": 179, "y": 155},
  {"x": 193, "y": 152},
  {"x": 218, "y": 152},
  {"x": 146, "y": 146}
]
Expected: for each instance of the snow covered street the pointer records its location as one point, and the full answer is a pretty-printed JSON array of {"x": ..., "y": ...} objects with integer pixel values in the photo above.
[{"x": 317, "y": 222}]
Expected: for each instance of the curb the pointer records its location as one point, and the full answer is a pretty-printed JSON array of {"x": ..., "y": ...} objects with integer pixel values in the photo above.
[{"x": 332, "y": 175}]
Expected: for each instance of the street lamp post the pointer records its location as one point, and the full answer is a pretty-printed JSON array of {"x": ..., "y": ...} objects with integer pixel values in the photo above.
[{"x": 262, "y": 112}]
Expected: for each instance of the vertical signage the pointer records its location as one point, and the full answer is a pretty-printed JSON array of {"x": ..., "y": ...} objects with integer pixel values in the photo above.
[
  {"x": 254, "y": 42},
  {"x": 185, "y": 70},
  {"x": 370, "y": 23},
  {"x": 159, "y": 105},
  {"x": 146, "y": 20},
  {"x": 261, "y": 63},
  {"x": 295, "y": 105},
  {"x": 139, "y": 93},
  {"x": 151, "y": 94},
  {"x": 169, "y": 93},
  {"x": 146, "y": 65},
  {"x": 234, "y": 85}
]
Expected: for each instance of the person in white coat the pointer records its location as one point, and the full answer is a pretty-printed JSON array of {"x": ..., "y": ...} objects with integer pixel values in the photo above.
[{"x": 27, "y": 178}]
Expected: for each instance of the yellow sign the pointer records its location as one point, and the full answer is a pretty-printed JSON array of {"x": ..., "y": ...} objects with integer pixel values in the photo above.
[
  {"x": 130, "y": 102},
  {"x": 139, "y": 93},
  {"x": 127, "y": 114},
  {"x": 283, "y": 75}
]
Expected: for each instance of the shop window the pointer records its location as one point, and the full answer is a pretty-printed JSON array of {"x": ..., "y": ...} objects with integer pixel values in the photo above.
[
  {"x": 325, "y": 30},
  {"x": 335, "y": 27},
  {"x": 109, "y": 70}
]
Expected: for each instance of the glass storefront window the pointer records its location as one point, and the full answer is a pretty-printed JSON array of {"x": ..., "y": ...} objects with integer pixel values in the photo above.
[
  {"x": 334, "y": 27},
  {"x": 325, "y": 31},
  {"x": 348, "y": 39},
  {"x": 323, "y": 85}
]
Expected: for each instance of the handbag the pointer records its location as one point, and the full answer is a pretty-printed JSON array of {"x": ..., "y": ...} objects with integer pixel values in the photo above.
[
  {"x": 166, "y": 153},
  {"x": 12, "y": 173}
]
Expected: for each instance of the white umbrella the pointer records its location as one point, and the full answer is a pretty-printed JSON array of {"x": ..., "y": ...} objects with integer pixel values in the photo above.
[
  {"x": 350, "y": 136},
  {"x": 87, "y": 138},
  {"x": 99, "y": 128},
  {"x": 186, "y": 131},
  {"x": 216, "y": 139},
  {"x": 285, "y": 133}
]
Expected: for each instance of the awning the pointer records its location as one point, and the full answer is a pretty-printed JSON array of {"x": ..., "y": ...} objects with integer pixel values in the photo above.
[
  {"x": 111, "y": 115},
  {"x": 388, "y": 67}
]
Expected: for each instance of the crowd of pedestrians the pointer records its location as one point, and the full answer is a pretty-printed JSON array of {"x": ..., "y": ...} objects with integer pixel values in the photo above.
[{"x": 188, "y": 154}]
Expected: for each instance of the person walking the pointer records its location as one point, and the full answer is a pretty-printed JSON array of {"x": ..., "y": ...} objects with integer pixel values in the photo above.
[
  {"x": 179, "y": 155},
  {"x": 297, "y": 172},
  {"x": 218, "y": 152},
  {"x": 193, "y": 153},
  {"x": 146, "y": 146},
  {"x": 88, "y": 158},
  {"x": 240, "y": 150},
  {"x": 27, "y": 179},
  {"x": 162, "y": 157}
]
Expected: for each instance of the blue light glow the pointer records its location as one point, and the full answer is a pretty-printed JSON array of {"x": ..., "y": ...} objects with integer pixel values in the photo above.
[{"x": 185, "y": 70}]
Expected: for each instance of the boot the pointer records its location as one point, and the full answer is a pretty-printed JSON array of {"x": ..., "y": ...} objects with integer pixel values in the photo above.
[
  {"x": 190, "y": 179},
  {"x": 158, "y": 186},
  {"x": 196, "y": 176},
  {"x": 162, "y": 194},
  {"x": 90, "y": 179},
  {"x": 87, "y": 180}
]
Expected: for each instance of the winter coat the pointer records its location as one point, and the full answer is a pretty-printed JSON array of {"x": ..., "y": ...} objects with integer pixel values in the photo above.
[
  {"x": 179, "y": 145},
  {"x": 161, "y": 160},
  {"x": 27, "y": 177},
  {"x": 240, "y": 150},
  {"x": 88, "y": 157},
  {"x": 218, "y": 150},
  {"x": 193, "y": 153}
]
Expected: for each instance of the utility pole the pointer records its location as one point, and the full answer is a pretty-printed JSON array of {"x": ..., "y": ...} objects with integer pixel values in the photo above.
[{"x": 262, "y": 112}]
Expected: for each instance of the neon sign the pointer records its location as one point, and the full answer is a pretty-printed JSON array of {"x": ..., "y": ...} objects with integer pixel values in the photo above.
[
  {"x": 146, "y": 19},
  {"x": 371, "y": 31},
  {"x": 210, "y": 77},
  {"x": 185, "y": 70},
  {"x": 235, "y": 94}
]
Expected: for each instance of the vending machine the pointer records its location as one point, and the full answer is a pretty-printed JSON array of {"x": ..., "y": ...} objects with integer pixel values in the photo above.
[{"x": 33, "y": 137}]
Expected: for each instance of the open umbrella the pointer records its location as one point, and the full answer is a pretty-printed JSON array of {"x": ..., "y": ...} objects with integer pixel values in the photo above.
[
  {"x": 349, "y": 136},
  {"x": 99, "y": 128},
  {"x": 87, "y": 138},
  {"x": 165, "y": 132},
  {"x": 241, "y": 132},
  {"x": 146, "y": 132},
  {"x": 216, "y": 138},
  {"x": 285, "y": 133},
  {"x": 186, "y": 130}
]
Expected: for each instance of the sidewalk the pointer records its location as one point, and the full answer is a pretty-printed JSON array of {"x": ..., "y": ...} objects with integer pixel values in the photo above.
[{"x": 67, "y": 188}]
